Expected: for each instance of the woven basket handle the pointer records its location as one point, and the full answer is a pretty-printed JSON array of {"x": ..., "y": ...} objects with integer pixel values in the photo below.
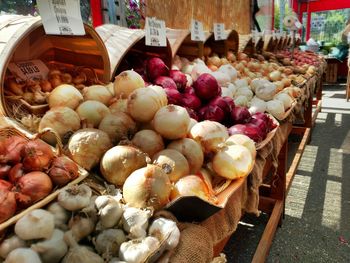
[{"x": 59, "y": 145}]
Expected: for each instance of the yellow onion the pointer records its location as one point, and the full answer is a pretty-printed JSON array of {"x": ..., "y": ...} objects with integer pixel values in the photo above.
[
  {"x": 143, "y": 103},
  {"x": 174, "y": 161},
  {"x": 286, "y": 82},
  {"x": 65, "y": 95},
  {"x": 118, "y": 126},
  {"x": 172, "y": 122},
  {"x": 148, "y": 186},
  {"x": 192, "y": 151},
  {"x": 126, "y": 82},
  {"x": 233, "y": 161},
  {"x": 191, "y": 185},
  {"x": 87, "y": 146},
  {"x": 192, "y": 123},
  {"x": 92, "y": 112},
  {"x": 275, "y": 75},
  {"x": 98, "y": 93},
  {"x": 119, "y": 105},
  {"x": 148, "y": 141},
  {"x": 241, "y": 139},
  {"x": 209, "y": 134},
  {"x": 63, "y": 120},
  {"x": 120, "y": 161}
]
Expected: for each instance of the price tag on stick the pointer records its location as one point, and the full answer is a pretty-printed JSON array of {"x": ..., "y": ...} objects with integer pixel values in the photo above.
[
  {"x": 61, "y": 17},
  {"x": 197, "y": 33},
  {"x": 219, "y": 31},
  {"x": 155, "y": 32}
]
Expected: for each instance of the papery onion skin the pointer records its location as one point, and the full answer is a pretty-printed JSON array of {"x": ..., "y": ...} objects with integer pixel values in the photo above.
[
  {"x": 63, "y": 170},
  {"x": 179, "y": 78},
  {"x": 12, "y": 148},
  {"x": 98, "y": 93},
  {"x": 37, "y": 155},
  {"x": 172, "y": 122},
  {"x": 157, "y": 192},
  {"x": 5, "y": 185},
  {"x": 165, "y": 82},
  {"x": 126, "y": 82},
  {"x": 155, "y": 68},
  {"x": 120, "y": 161},
  {"x": 148, "y": 141},
  {"x": 65, "y": 95},
  {"x": 8, "y": 204},
  {"x": 34, "y": 185},
  {"x": 191, "y": 185},
  {"x": 16, "y": 172},
  {"x": 192, "y": 151},
  {"x": 240, "y": 115},
  {"x": 243, "y": 140},
  {"x": 4, "y": 170},
  {"x": 176, "y": 162},
  {"x": 92, "y": 112},
  {"x": 119, "y": 105}
]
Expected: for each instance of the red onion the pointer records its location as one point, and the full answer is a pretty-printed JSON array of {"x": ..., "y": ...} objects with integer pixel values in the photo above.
[
  {"x": 189, "y": 90},
  {"x": 155, "y": 68},
  {"x": 249, "y": 130},
  {"x": 165, "y": 82},
  {"x": 4, "y": 170},
  {"x": 37, "y": 155},
  {"x": 192, "y": 114},
  {"x": 240, "y": 115},
  {"x": 206, "y": 87},
  {"x": 191, "y": 101},
  {"x": 32, "y": 187},
  {"x": 5, "y": 185},
  {"x": 179, "y": 78},
  {"x": 63, "y": 170},
  {"x": 16, "y": 172},
  {"x": 10, "y": 150},
  {"x": 269, "y": 122},
  {"x": 211, "y": 113},
  {"x": 225, "y": 103},
  {"x": 174, "y": 96},
  {"x": 8, "y": 205},
  {"x": 261, "y": 124}
]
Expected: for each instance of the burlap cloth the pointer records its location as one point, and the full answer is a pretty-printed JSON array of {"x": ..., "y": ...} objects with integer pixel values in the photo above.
[{"x": 198, "y": 240}]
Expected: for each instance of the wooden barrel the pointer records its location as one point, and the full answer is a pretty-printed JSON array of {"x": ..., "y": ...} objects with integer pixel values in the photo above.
[
  {"x": 183, "y": 46},
  {"x": 126, "y": 48},
  {"x": 221, "y": 47},
  {"x": 246, "y": 44},
  {"x": 23, "y": 38}
]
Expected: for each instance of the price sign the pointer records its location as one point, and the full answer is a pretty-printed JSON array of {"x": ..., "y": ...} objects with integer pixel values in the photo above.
[
  {"x": 61, "y": 17},
  {"x": 197, "y": 32},
  {"x": 155, "y": 32},
  {"x": 219, "y": 31},
  {"x": 29, "y": 69}
]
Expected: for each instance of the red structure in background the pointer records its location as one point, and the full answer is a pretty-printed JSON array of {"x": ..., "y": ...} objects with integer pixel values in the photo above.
[
  {"x": 96, "y": 12},
  {"x": 310, "y": 6}
]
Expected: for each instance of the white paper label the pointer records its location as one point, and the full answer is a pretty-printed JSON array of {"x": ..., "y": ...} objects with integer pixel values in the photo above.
[
  {"x": 219, "y": 31},
  {"x": 155, "y": 32},
  {"x": 298, "y": 24},
  {"x": 197, "y": 32},
  {"x": 29, "y": 69},
  {"x": 61, "y": 17}
]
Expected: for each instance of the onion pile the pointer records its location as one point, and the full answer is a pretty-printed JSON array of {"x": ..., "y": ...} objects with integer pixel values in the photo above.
[{"x": 126, "y": 82}]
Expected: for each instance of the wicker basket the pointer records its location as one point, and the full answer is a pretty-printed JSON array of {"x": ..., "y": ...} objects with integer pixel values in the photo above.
[{"x": 11, "y": 131}]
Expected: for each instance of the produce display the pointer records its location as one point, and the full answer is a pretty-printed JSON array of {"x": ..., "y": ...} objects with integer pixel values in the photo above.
[{"x": 82, "y": 227}]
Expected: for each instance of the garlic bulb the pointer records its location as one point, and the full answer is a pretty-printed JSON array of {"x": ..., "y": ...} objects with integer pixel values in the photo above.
[
  {"x": 36, "y": 224},
  {"x": 61, "y": 215},
  {"x": 165, "y": 230},
  {"x": 109, "y": 210},
  {"x": 23, "y": 255},
  {"x": 75, "y": 197},
  {"x": 53, "y": 249},
  {"x": 81, "y": 227},
  {"x": 79, "y": 254},
  {"x": 108, "y": 242},
  {"x": 10, "y": 244},
  {"x": 135, "y": 221},
  {"x": 90, "y": 210},
  {"x": 138, "y": 250}
]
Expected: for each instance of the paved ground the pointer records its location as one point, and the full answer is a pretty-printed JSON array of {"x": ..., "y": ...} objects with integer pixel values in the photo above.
[{"x": 316, "y": 227}]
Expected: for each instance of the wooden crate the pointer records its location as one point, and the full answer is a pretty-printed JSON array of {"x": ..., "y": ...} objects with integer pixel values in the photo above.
[
  {"x": 332, "y": 71},
  {"x": 223, "y": 46},
  {"x": 246, "y": 44}
]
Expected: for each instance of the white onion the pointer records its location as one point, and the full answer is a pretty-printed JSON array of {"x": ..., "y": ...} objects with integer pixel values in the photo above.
[
  {"x": 118, "y": 126},
  {"x": 245, "y": 91},
  {"x": 175, "y": 161},
  {"x": 148, "y": 186},
  {"x": 226, "y": 92},
  {"x": 143, "y": 103},
  {"x": 241, "y": 101},
  {"x": 257, "y": 105},
  {"x": 276, "y": 108},
  {"x": 61, "y": 119},
  {"x": 110, "y": 87},
  {"x": 187, "y": 69},
  {"x": 233, "y": 161},
  {"x": 119, "y": 162},
  {"x": 222, "y": 78},
  {"x": 189, "y": 80},
  {"x": 192, "y": 123},
  {"x": 258, "y": 83},
  {"x": 241, "y": 83},
  {"x": 198, "y": 70},
  {"x": 98, "y": 93},
  {"x": 148, "y": 141},
  {"x": 172, "y": 122},
  {"x": 191, "y": 185},
  {"x": 285, "y": 99},
  {"x": 65, "y": 95},
  {"x": 229, "y": 70},
  {"x": 266, "y": 91},
  {"x": 233, "y": 88},
  {"x": 119, "y": 105},
  {"x": 275, "y": 75},
  {"x": 126, "y": 82},
  {"x": 241, "y": 139},
  {"x": 192, "y": 151},
  {"x": 87, "y": 146},
  {"x": 209, "y": 134},
  {"x": 92, "y": 112}
]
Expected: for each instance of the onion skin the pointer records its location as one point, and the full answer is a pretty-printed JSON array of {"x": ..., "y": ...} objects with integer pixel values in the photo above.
[
  {"x": 155, "y": 68},
  {"x": 37, "y": 155},
  {"x": 206, "y": 87},
  {"x": 191, "y": 185},
  {"x": 191, "y": 101},
  {"x": 92, "y": 111},
  {"x": 16, "y": 172},
  {"x": 148, "y": 186},
  {"x": 4, "y": 170},
  {"x": 8, "y": 204},
  {"x": 179, "y": 78},
  {"x": 5, "y": 185},
  {"x": 65, "y": 95},
  {"x": 148, "y": 141},
  {"x": 32, "y": 187},
  {"x": 126, "y": 82},
  {"x": 165, "y": 82},
  {"x": 63, "y": 170},
  {"x": 174, "y": 96},
  {"x": 12, "y": 147}
]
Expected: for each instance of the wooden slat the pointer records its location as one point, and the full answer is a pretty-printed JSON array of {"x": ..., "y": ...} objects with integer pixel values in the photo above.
[
  {"x": 266, "y": 204},
  {"x": 317, "y": 111},
  {"x": 263, "y": 248}
]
